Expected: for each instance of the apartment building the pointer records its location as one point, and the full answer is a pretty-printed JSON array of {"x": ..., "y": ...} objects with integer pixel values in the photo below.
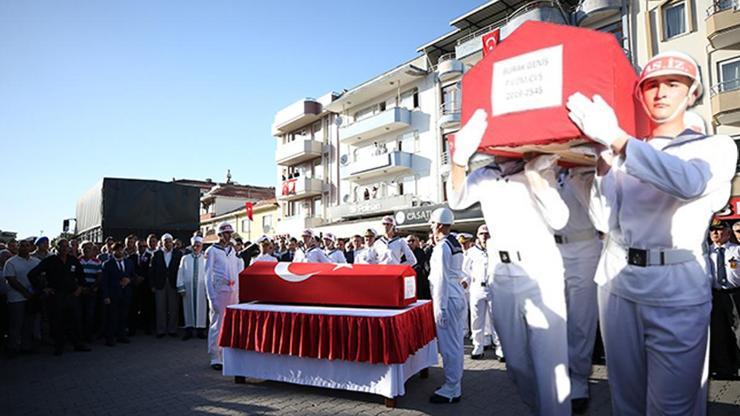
[{"x": 306, "y": 159}]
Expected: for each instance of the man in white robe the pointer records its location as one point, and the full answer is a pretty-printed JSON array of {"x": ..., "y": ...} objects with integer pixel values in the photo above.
[{"x": 191, "y": 284}]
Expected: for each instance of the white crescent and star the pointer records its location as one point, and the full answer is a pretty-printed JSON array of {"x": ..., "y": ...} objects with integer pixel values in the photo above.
[{"x": 282, "y": 270}]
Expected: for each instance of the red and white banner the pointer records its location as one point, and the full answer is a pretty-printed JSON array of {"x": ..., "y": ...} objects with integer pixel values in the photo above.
[
  {"x": 524, "y": 83},
  {"x": 490, "y": 40},
  {"x": 250, "y": 210},
  {"x": 376, "y": 285}
]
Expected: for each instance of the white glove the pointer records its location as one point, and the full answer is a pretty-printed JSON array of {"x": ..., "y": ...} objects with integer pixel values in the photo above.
[
  {"x": 468, "y": 139},
  {"x": 596, "y": 118},
  {"x": 440, "y": 318}
]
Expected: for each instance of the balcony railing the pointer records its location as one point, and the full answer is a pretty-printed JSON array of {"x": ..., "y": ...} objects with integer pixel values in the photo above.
[
  {"x": 448, "y": 67},
  {"x": 592, "y": 11},
  {"x": 390, "y": 120},
  {"x": 449, "y": 115},
  {"x": 297, "y": 151},
  {"x": 297, "y": 188},
  {"x": 725, "y": 99},
  {"x": 392, "y": 162},
  {"x": 723, "y": 24},
  {"x": 722, "y": 5},
  {"x": 731, "y": 85}
]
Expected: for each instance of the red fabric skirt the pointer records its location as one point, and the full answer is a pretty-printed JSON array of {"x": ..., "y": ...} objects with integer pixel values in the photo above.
[{"x": 375, "y": 340}]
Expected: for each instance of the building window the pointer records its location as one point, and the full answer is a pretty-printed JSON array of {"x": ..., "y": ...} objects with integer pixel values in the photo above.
[
  {"x": 674, "y": 20},
  {"x": 245, "y": 225},
  {"x": 267, "y": 223},
  {"x": 451, "y": 98},
  {"x": 729, "y": 75}
]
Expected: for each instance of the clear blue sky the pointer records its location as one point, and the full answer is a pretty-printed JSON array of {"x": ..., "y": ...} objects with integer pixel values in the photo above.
[{"x": 176, "y": 88}]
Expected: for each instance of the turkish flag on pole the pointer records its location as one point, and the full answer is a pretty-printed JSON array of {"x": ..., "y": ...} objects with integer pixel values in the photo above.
[
  {"x": 250, "y": 207},
  {"x": 490, "y": 40},
  {"x": 377, "y": 285}
]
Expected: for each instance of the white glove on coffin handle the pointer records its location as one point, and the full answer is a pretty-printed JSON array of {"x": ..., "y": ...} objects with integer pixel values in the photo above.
[
  {"x": 595, "y": 118},
  {"x": 468, "y": 139}
]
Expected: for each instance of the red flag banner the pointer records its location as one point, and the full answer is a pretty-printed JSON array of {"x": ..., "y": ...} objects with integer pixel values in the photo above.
[
  {"x": 250, "y": 209},
  {"x": 490, "y": 40}
]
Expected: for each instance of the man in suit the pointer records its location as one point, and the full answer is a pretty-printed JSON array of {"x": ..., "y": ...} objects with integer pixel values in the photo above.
[
  {"x": 115, "y": 288},
  {"x": 163, "y": 278}
]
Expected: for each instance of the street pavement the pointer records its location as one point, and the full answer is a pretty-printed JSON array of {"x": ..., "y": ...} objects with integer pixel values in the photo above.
[{"x": 172, "y": 377}]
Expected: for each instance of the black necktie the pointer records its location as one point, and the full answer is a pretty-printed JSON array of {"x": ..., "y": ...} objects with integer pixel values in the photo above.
[{"x": 721, "y": 271}]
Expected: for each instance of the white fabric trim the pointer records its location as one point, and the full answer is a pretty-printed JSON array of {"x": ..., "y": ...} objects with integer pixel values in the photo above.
[
  {"x": 385, "y": 380},
  {"x": 327, "y": 310}
]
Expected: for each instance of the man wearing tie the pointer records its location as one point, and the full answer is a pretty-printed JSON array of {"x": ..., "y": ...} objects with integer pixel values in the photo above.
[
  {"x": 163, "y": 278},
  {"x": 724, "y": 356},
  {"x": 115, "y": 289}
]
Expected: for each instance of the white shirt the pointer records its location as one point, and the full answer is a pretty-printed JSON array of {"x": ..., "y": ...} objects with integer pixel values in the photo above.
[
  {"x": 445, "y": 272},
  {"x": 391, "y": 251},
  {"x": 475, "y": 268},
  {"x": 574, "y": 186},
  {"x": 222, "y": 270},
  {"x": 167, "y": 257},
  {"x": 732, "y": 257},
  {"x": 366, "y": 255},
  {"x": 662, "y": 194},
  {"x": 264, "y": 257},
  {"x": 336, "y": 256},
  {"x": 312, "y": 255},
  {"x": 520, "y": 219},
  {"x": 19, "y": 267}
]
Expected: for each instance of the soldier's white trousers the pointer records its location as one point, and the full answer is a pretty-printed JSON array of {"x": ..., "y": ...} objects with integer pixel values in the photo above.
[
  {"x": 218, "y": 305},
  {"x": 656, "y": 356},
  {"x": 580, "y": 294},
  {"x": 481, "y": 311},
  {"x": 450, "y": 343},
  {"x": 531, "y": 325}
]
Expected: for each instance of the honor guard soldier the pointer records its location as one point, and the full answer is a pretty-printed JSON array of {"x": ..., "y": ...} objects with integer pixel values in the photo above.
[
  {"x": 654, "y": 198},
  {"x": 528, "y": 287},
  {"x": 335, "y": 255},
  {"x": 222, "y": 286},
  {"x": 480, "y": 282},
  {"x": 391, "y": 248},
  {"x": 310, "y": 252},
  {"x": 367, "y": 254},
  {"x": 448, "y": 300}
]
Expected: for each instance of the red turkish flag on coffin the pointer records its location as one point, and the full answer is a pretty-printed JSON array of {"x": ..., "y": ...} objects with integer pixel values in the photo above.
[
  {"x": 374, "y": 285},
  {"x": 525, "y": 81}
]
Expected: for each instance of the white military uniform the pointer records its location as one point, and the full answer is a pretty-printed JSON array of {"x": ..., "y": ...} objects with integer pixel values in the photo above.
[
  {"x": 336, "y": 256},
  {"x": 366, "y": 255},
  {"x": 312, "y": 255},
  {"x": 580, "y": 247},
  {"x": 479, "y": 283},
  {"x": 528, "y": 286},
  {"x": 264, "y": 257},
  {"x": 191, "y": 282},
  {"x": 445, "y": 274},
  {"x": 222, "y": 287},
  {"x": 655, "y": 204},
  {"x": 391, "y": 251}
]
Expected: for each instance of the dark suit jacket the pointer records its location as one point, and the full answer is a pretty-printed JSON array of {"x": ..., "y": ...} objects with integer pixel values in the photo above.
[
  {"x": 159, "y": 273},
  {"x": 110, "y": 285}
]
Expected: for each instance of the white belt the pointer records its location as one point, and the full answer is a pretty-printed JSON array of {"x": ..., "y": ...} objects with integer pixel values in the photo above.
[
  {"x": 575, "y": 237},
  {"x": 650, "y": 257}
]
